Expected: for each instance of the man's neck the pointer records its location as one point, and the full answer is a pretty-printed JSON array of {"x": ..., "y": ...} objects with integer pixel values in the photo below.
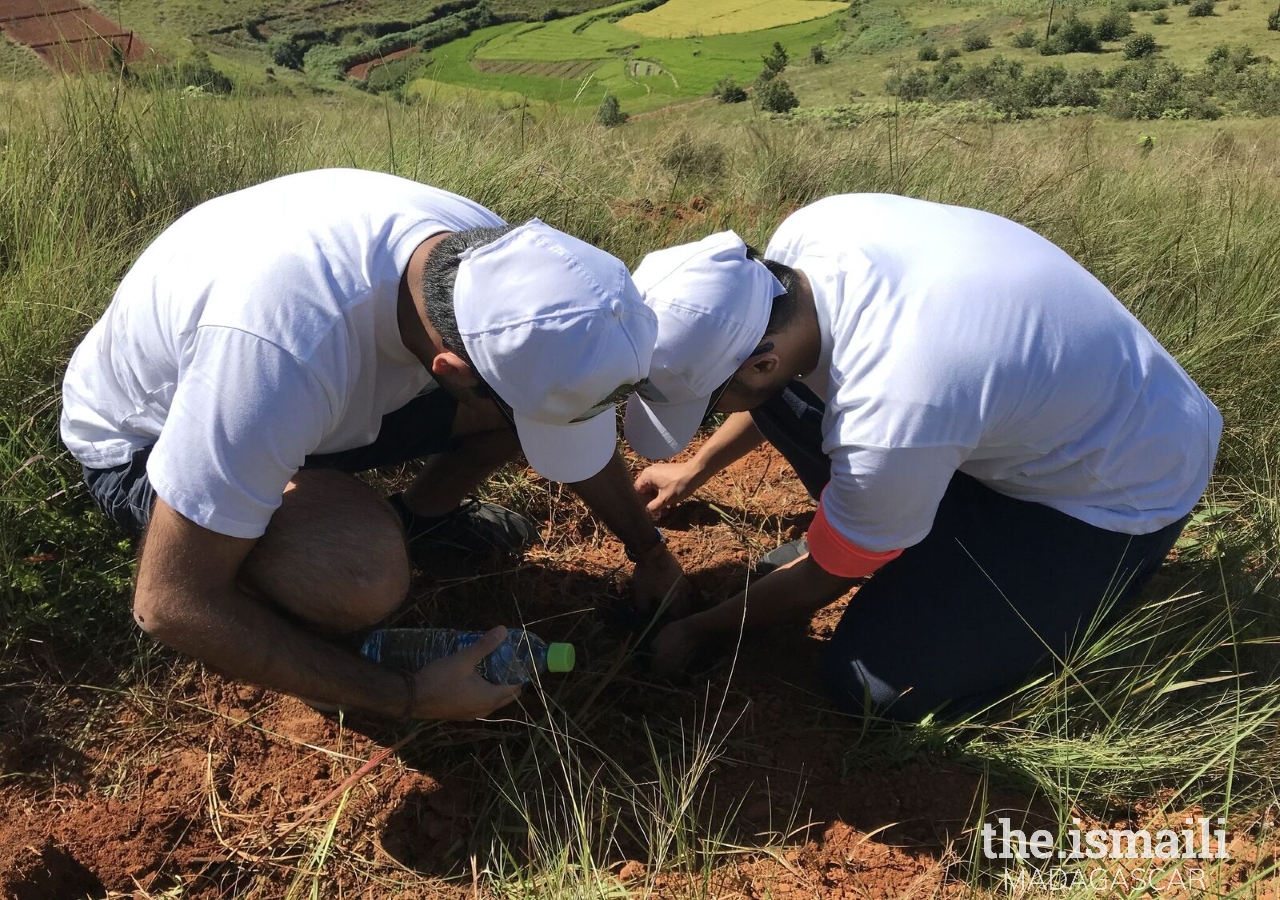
[{"x": 808, "y": 333}]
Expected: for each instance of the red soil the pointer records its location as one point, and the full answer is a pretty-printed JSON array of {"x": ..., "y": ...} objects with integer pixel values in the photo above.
[
  {"x": 210, "y": 785},
  {"x": 361, "y": 70},
  {"x": 69, "y": 36}
]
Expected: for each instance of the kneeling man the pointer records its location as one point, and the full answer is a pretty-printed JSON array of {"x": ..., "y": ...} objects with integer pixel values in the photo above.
[{"x": 995, "y": 443}]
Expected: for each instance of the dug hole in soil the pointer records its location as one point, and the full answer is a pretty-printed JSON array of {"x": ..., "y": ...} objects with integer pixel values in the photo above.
[{"x": 212, "y": 786}]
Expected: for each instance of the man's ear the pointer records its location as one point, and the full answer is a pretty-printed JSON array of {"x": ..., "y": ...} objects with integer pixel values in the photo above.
[
  {"x": 449, "y": 364},
  {"x": 760, "y": 365}
]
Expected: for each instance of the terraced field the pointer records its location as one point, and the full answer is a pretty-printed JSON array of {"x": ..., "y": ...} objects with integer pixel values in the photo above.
[{"x": 687, "y": 18}]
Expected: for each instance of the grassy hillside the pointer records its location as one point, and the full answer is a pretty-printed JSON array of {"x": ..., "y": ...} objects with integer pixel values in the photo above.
[{"x": 1176, "y": 710}]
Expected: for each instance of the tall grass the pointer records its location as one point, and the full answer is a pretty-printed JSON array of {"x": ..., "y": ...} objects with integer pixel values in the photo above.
[{"x": 1180, "y": 698}]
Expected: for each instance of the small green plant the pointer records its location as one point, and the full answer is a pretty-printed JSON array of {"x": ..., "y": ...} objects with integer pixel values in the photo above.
[
  {"x": 610, "y": 114},
  {"x": 974, "y": 42},
  {"x": 729, "y": 91},
  {"x": 927, "y": 53},
  {"x": 1140, "y": 45},
  {"x": 776, "y": 96},
  {"x": 1024, "y": 40},
  {"x": 1159, "y": 17},
  {"x": 1200, "y": 9}
]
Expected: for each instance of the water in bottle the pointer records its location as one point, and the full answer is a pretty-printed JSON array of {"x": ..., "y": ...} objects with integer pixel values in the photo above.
[{"x": 516, "y": 660}]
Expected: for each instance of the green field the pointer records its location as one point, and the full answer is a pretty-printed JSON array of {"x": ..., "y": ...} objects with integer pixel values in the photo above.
[
  {"x": 695, "y": 18},
  {"x": 690, "y": 67}
]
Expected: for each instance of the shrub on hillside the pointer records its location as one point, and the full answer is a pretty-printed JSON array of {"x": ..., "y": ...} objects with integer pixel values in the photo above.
[
  {"x": 927, "y": 53},
  {"x": 1114, "y": 25},
  {"x": 284, "y": 51},
  {"x": 950, "y": 53},
  {"x": 1140, "y": 45},
  {"x": 729, "y": 91},
  {"x": 1160, "y": 17},
  {"x": 775, "y": 95},
  {"x": 1074, "y": 36},
  {"x": 610, "y": 114},
  {"x": 1273, "y": 20},
  {"x": 974, "y": 42},
  {"x": 1024, "y": 40},
  {"x": 817, "y": 55},
  {"x": 1200, "y": 8}
]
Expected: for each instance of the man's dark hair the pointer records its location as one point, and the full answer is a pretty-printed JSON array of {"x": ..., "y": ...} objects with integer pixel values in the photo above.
[
  {"x": 439, "y": 275},
  {"x": 784, "y": 305}
]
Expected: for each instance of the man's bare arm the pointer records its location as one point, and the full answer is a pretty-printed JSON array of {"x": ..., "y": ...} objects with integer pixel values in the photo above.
[
  {"x": 666, "y": 484},
  {"x": 188, "y": 597}
]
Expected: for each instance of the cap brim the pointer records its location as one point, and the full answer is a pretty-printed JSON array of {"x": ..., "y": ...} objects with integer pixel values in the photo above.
[
  {"x": 660, "y": 431},
  {"x": 572, "y": 452}
]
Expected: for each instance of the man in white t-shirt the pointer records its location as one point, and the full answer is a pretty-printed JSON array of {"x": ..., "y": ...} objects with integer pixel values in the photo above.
[
  {"x": 995, "y": 443},
  {"x": 274, "y": 340}
]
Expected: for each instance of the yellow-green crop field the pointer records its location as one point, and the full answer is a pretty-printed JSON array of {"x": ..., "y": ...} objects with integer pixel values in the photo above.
[{"x": 688, "y": 18}]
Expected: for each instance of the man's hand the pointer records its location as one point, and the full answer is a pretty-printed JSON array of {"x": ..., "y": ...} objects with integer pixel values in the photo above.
[
  {"x": 675, "y": 648},
  {"x": 451, "y": 688},
  {"x": 663, "y": 485},
  {"x": 658, "y": 576}
]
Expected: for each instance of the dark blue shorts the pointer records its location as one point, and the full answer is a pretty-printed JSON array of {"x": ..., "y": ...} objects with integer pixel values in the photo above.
[
  {"x": 421, "y": 427},
  {"x": 996, "y": 590}
]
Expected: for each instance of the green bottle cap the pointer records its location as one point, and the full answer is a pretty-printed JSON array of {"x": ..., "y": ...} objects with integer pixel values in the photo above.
[{"x": 560, "y": 657}]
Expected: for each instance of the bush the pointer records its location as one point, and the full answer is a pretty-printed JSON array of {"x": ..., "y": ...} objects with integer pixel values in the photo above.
[
  {"x": 729, "y": 91},
  {"x": 1140, "y": 45},
  {"x": 285, "y": 52},
  {"x": 775, "y": 95},
  {"x": 1024, "y": 40},
  {"x": 817, "y": 55},
  {"x": 973, "y": 42},
  {"x": 1200, "y": 8},
  {"x": 927, "y": 53},
  {"x": 1114, "y": 25},
  {"x": 610, "y": 114},
  {"x": 1273, "y": 20},
  {"x": 1075, "y": 36},
  {"x": 1160, "y": 17},
  {"x": 950, "y": 53}
]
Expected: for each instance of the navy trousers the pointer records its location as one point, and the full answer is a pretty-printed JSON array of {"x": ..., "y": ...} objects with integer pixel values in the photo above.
[{"x": 997, "y": 588}]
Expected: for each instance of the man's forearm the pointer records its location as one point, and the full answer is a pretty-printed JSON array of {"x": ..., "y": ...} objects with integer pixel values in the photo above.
[
  {"x": 737, "y": 437},
  {"x": 786, "y": 594},
  {"x": 614, "y": 500},
  {"x": 247, "y": 640}
]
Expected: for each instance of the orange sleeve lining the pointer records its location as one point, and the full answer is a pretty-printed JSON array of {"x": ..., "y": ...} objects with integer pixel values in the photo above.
[{"x": 838, "y": 555}]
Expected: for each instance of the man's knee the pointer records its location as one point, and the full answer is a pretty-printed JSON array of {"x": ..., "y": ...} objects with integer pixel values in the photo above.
[{"x": 333, "y": 554}]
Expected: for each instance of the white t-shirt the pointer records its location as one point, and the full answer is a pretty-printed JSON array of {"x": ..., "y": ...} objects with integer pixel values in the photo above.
[
  {"x": 953, "y": 339},
  {"x": 257, "y": 329}
]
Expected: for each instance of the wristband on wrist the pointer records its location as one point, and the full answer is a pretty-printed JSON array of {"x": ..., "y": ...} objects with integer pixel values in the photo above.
[{"x": 637, "y": 557}]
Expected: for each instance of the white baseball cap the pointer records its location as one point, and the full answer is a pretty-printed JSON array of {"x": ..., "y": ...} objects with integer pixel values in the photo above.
[
  {"x": 713, "y": 305},
  {"x": 556, "y": 328}
]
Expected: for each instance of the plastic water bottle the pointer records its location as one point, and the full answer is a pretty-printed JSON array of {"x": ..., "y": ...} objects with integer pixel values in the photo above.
[{"x": 515, "y": 661}]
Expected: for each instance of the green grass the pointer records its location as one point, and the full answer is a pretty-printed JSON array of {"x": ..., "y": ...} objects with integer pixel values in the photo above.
[
  {"x": 19, "y": 63},
  {"x": 1179, "y": 703}
]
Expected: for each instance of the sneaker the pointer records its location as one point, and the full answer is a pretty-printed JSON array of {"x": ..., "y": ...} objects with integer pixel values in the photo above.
[
  {"x": 474, "y": 527},
  {"x": 780, "y": 556}
]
